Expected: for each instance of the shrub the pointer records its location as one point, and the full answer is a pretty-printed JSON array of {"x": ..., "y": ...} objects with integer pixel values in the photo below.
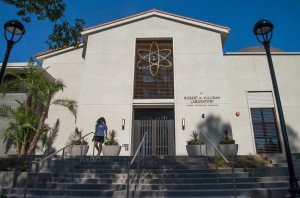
[
  {"x": 112, "y": 134},
  {"x": 194, "y": 140}
]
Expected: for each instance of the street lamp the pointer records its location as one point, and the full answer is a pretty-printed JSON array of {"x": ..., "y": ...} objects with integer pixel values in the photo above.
[
  {"x": 13, "y": 27},
  {"x": 263, "y": 31}
]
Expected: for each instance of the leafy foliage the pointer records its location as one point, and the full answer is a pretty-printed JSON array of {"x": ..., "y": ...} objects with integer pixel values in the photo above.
[
  {"x": 27, "y": 126},
  {"x": 227, "y": 138},
  {"x": 79, "y": 142},
  {"x": 76, "y": 138},
  {"x": 112, "y": 134},
  {"x": 20, "y": 129},
  {"x": 71, "y": 105},
  {"x": 194, "y": 140},
  {"x": 64, "y": 34}
]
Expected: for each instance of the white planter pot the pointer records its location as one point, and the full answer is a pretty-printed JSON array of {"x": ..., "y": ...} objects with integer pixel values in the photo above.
[
  {"x": 196, "y": 150},
  {"x": 229, "y": 149},
  {"x": 76, "y": 150},
  {"x": 111, "y": 150}
]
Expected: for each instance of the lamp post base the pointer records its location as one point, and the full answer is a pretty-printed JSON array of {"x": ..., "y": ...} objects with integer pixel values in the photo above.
[{"x": 293, "y": 192}]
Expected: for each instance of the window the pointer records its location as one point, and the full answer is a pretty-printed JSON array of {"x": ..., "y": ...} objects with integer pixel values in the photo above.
[
  {"x": 265, "y": 130},
  {"x": 16, "y": 88},
  {"x": 154, "y": 69}
]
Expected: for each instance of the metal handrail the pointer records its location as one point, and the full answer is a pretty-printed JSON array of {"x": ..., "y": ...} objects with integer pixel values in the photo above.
[
  {"x": 231, "y": 164},
  {"x": 47, "y": 157},
  {"x": 133, "y": 159}
]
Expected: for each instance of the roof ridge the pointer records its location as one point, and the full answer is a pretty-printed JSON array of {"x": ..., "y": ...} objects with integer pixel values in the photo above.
[{"x": 153, "y": 11}]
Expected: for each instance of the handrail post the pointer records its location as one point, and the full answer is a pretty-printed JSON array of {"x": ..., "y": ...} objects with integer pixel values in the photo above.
[
  {"x": 144, "y": 149},
  {"x": 81, "y": 147},
  {"x": 63, "y": 154},
  {"x": 137, "y": 152},
  {"x": 206, "y": 152},
  {"x": 28, "y": 178},
  {"x": 233, "y": 178},
  {"x": 217, "y": 169},
  {"x": 39, "y": 161},
  {"x": 138, "y": 167},
  {"x": 230, "y": 163},
  {"x": 93, "y": 149},
  {"x": 128, "y": 177}
]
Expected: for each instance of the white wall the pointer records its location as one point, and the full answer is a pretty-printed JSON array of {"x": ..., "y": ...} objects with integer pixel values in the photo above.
[
  {"x": 67, "y": 67},
  {"x": 251, "y": 73},
  {"x": 102, "y": 83},
  {"x": 107, "y": 87}
]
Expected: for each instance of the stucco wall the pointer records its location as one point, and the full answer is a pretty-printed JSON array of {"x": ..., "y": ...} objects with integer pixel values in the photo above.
[
  {"x": 102, "y": 83},
  {"x": 68, "y": 67},
  {"x": 251, "y": 73},
  {"x": 110, "y": 62}
]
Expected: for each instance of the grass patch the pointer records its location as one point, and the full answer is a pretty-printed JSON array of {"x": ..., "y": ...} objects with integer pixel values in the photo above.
[{"x": 240, "y": 161}]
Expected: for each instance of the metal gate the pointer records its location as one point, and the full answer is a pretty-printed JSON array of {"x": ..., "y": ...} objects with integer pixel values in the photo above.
[{"x": 159, "y": 123}]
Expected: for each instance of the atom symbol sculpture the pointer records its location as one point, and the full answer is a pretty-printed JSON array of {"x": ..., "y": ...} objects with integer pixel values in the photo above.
[{"x": 154, "y": 58}]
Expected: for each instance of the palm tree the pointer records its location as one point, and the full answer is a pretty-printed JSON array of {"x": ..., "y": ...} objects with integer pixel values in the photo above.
[
  {"x": 45, "y": 96},
  {"x": 40, "y": 92},
  {"x": 31, "y": 78},
  {"x": 20, "y": 129}
]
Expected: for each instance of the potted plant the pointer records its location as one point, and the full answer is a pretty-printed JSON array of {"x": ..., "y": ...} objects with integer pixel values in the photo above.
[
  {"x": 79, "y": 146},
  {"x": 195, "y": 146},
  {"x": 111, "y": 145},
  {"x": 227, "y": 145}
]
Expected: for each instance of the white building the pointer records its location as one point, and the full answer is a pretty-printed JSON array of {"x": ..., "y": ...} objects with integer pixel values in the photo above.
[{"x": 168, "y": 75}]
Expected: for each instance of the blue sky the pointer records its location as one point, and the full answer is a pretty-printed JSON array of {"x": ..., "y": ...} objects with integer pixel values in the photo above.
[{"x": 239, "y": 15}]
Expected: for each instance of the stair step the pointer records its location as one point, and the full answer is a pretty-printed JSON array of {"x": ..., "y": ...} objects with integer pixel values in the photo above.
[
  {"x": 256, "y": 192},
  {"x": 158, "y": 176}
]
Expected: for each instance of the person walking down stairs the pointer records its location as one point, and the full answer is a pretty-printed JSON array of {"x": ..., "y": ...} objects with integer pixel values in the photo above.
[{"x": 100, "y": 132}]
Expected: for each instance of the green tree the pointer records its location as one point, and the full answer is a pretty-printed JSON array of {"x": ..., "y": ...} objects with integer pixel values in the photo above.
[
  {"x": 20, "y": 129},
  {"x": 64, "y": 33},
  {"x": 40, "y": 93},
  {"x": 45, "y": 96}
]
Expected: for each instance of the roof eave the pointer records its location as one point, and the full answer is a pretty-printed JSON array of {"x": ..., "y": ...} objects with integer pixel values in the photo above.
[
  {"x": 43, "y": 55},
  {"x": 224, "y": 31}
]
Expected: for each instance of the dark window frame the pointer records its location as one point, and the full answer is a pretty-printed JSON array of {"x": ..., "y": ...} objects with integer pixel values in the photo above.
[
  {"x": 266, "y": 130},
  {"x": 159, "y": 86}
]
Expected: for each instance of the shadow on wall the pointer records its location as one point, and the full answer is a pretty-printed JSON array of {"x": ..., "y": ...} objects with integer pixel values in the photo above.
[
  {"x": 213, "y": 127},
  {"x": 51, "y": 136},
  {"x": 294, "y": 140}
]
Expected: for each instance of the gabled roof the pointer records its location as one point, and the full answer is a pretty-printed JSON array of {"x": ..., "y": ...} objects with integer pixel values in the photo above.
[{"x": 151, "y": 13}]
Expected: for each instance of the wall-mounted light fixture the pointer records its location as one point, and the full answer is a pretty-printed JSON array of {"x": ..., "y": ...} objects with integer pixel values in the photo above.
[
  {"x": 183, "y": 124},
  {"x": 123, "y": 124},
  {"x": 203, "y": 115}
]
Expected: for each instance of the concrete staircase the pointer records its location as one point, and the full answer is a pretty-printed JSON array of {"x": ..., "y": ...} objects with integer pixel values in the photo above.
[
  {"x": 280, "y": 161},
  {"x": 161, "y": 176}
]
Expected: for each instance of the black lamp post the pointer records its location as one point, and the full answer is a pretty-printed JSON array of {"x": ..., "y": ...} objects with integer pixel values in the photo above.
[
  {"x": 263, "y": 31},
  {"x": 13, "y": 27}
]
